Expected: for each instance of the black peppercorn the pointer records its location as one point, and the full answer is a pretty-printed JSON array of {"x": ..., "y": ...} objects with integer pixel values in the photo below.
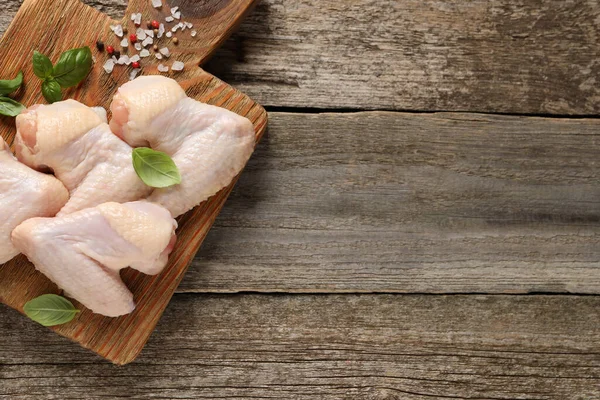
[
  {"x": 100, "y": 45},
  {"x": 117, "y": 54}
]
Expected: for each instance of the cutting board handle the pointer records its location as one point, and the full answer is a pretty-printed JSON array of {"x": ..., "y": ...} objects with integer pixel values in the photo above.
[{"x": 214, "y": 21}]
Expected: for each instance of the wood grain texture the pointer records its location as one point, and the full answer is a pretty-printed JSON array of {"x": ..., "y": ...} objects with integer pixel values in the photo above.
[
  {"x": 507, "y": 56},
  {"x": 118, "y": 339},
  {"x": 373, "y": 347},
  {"x": 382, "y": 347},
  {"x": 411, "y": 203}
]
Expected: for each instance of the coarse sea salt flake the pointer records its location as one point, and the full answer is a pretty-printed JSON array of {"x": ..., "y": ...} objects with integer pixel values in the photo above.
[
  {"x": 194, "y": 33},
  {"x": 168, "y": 34},
  {"x": 144, "y": 53},
  {"x": 169, "y": 19},
  {"x": 138, "y": 19},
  {"x": 134, "y": 58},
  {"x": 174, "y": 10},
  {"x": 156, "y": 3},
  {"x": 163, "y": 68},
  {"x": 109, "y": 65},
  {"x": 165, "y": 52},
  {"x": 138, "y": 46},
  {"x": 140, "y": 33},
  {"x": 118, "y": 30},
  {"x": 177, "y": 15},
  {"x": 177, "y": 66},
  {"x": 158, "y": 56},
  {"x": 133, "y": 74},
  {"x": 161, "y": 30},
  {"x": 147, "y": 41},
  {"x": 124, "y": 42},
  {"x": 174, "y": 29},
  {"x": 189, "y": 24},
  {"x": 149, "y": 33},
  {"x": 124, "y": 60}
]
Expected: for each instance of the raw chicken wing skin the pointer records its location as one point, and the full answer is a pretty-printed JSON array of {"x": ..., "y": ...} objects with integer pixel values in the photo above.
[
  {"x": 24, "y": 194},
  {"x": 83, "y": 252},
  {"x": 210, "y": 145},
  {"x": 75, "y": 142}
]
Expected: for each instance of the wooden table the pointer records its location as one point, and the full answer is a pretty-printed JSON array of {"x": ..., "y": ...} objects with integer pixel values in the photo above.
[{"x": 422, "y": 220}]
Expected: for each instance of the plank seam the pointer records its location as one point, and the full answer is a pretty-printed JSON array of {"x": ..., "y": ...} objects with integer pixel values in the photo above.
[
  {"x": 333, "y": 110},
  {"x": 376, "y": 293}
]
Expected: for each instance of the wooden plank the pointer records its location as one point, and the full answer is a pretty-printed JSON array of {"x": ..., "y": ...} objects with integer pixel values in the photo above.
[
  {"x": 488, "y": 56},
  {"x": 328, "y": 347},
  {"x": 397, "y": 202}
]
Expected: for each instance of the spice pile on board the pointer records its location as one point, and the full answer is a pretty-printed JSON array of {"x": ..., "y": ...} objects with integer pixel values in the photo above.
[{"x": 138, "y": 42}]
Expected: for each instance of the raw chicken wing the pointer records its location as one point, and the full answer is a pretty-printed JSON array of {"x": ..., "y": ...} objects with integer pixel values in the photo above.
[
  {"x": 210, "y": 145},
  {"x": 75, "y": 142},
  {"x": 24, "y": 194},
  {"x": 83, "y": 252}
]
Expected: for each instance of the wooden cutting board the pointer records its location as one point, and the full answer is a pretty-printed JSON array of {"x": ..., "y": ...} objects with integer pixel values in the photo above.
[{"x": 53, "y": 26}]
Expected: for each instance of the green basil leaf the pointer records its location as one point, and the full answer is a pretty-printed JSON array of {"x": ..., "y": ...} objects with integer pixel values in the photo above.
[
  {"x": 50, "y": 310},
  {"x": 73, "y": 66},
  {"x": 51, "y": 91},
  {"x": 9, "y": 86},
  {"x": 10, "y": 107},
  {"x": 42, "y": 66},
  {"x": 155, "y": 169}
]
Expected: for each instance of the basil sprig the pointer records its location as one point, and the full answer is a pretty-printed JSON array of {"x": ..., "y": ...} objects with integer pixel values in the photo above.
[
  {"x": 156, "y": 169},
  {"x": 51, "y": 91},
  {"x": 42, "y": 66},
  {"x": 50, "y": 310},
  {"x": 9, "y": 86},
  {"x": 71, "y": 68},
  {"x": 8, "y": 106}
]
